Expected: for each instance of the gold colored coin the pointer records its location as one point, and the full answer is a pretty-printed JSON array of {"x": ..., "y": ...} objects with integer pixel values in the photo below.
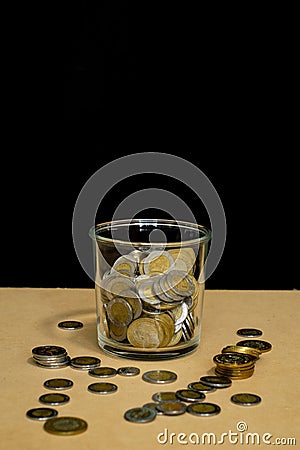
[
  {"x": 118, "y": 333},
  {"x": 176, "y": 338},
  {"x": 168, "y": 328},
  {"x": 134, "y": 301},
  {"x": 65, "y": 426},
  {"x": 145, "y": 333},
  {"x": 119, "y": 312},
  {"x": 157, "y": 262},
  {"x": 238, "y": 349}
]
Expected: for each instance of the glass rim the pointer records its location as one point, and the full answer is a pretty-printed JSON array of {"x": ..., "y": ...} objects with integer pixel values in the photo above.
[{"x": 166, "y": 222}]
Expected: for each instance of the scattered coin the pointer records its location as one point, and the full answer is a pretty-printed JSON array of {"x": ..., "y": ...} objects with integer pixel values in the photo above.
[
  {"x": 128, "y": 371},
  {"x": 58, "y": 384},
  {"x": 249, "y": 332},
  {"x": 189, "y": 395},
  {"x": 246, "y": 399},
  {"x": 85, "y": 362},
  {"x": 103, "y": 372},
  {"x": 70, "y": 325},
  {"x": 201, "y": 387},
  {"x": 102, "y": 388},
  {"x": 41, "y": 413},
  {"x": 170, "y": 408},
  {"x": 203, "y": 409},
  {"x": 140, "y": 415},
  {"x": 218, "y": 382},
  {"x": 262, "y": 346},
  {"x": 159, "y": 376},
  {"x": 152, "y": 405},
  {"x": 54, "y": 399},
  {"x": 164, "y": 397},
  {"x": 65, "y": 426}
]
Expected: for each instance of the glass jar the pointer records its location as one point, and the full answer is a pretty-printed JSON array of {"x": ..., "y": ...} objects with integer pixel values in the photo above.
[{"x": 149, "y": 283}]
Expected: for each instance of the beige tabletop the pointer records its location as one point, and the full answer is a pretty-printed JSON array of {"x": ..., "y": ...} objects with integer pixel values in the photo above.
[{"x": 29, "y": 318}]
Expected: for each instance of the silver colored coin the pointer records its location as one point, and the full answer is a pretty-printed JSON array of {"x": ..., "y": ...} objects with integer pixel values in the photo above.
[
  {"x": 203, "y": 409},
  {"x": 146, "y": 292},
  {"x": 54, "y": 399},
  {"x": 189, "y": 395},
  {"x": 103, "y": 372},
  {"x": 159, "y": 376},
  {"x": 102, "y": 388},
  {"x": 140, "y": 415},
  {"x": 175, "y": 408},
  {"x": 58, "y": 384},
  {"x": 70, "y": 325},
  {"x": 53, "y": 365},
  {"x": 41, "y": 413},
  {"x": 128, "y": 371},
  {"x": 85, "y": 362},
  {"x": 167, "y": 291}
]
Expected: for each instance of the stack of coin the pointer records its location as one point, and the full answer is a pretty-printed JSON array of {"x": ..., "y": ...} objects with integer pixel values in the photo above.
[
  {"x": 51, "y": 356},
  {"x": 149, "y": 298},
  {"x": 244, "y": 350},
  {"x": 235, "y": 366}
]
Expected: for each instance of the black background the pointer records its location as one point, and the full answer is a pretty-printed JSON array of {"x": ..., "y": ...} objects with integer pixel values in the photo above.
[{"x": 216, "y": 87}]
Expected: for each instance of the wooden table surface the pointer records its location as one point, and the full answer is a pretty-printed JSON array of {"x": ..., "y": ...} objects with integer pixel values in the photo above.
[{"x": 29, "y": 318}]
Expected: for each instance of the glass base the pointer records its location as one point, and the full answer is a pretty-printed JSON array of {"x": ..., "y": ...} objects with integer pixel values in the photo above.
[{"x": 159, "y": 354}]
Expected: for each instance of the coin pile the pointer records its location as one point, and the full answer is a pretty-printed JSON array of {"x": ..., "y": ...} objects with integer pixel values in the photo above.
[
  {"x": 50, "y": 356},
  {"x": 149, "y": 298},
  {"x": 234, "y": 365},
  {"x": 238, "y": 361}
]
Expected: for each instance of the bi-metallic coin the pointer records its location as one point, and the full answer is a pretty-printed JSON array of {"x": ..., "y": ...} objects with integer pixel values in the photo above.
[
  {"x": 203, "y": 409},
  {"x": 70, "y": 325},
  {"x": 249, "y": 332},
  {"x": 218, "y": 382},
  {"x": 85, "y": 362},
  {"x": 128, "y": 371},
  {"x": 58, "y": 384},
  {"x": 54, "y": 399},
  {"x": 41, "y": 413},
  {"x": 65, "y": 426},
  {"x": 103, "y": 372},
  {"x": 164, "y": 396},
  {"x": 245, "y": 399},
  {"x": 140, "y": 415},
  {"x": 262, "y": 346},
  {"x": 170, "y": 408},
  {"x": 189, "y": 395},
  {"x": 159, "y": 376},
  {"x": 201, "y": 387},
  {"x": 102, "y": 388}
]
